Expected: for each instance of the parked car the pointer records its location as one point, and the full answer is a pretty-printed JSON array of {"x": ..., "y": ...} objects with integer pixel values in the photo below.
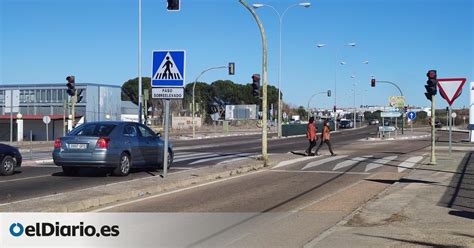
[
  {"x": 10, "y": 159},
  {"x": 438, "y": 124},
  {"x": 345, "y": 124},
  {"x": 118, "y": 146}
]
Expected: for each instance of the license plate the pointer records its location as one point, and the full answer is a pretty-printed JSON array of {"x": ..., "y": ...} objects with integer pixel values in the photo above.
[{"x": 78, "y": 146}]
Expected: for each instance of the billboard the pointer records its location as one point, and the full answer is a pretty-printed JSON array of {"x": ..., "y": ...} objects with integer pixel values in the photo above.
[{"x": 240, "y": 112}]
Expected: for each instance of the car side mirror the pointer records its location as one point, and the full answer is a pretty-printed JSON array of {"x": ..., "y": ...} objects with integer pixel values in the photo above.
[{"x": 158, "y": 135}]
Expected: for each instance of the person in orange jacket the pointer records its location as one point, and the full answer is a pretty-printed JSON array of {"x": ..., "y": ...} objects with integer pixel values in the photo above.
[
  {"x": 325, "y": 138},
  {"x": 311, "y": 134}
]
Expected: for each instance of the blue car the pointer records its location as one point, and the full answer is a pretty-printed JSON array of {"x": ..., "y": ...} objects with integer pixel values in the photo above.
[
  {"x": 10, "y": 159},
  {"x": 118, "y": 146}
]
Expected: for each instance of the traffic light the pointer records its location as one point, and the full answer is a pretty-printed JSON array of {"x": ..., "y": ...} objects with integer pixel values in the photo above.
[
  {"x": 329, "y": 93},
  {"x": 372, "y": 82},
  {"x": 405, "y": 109},
  {"x": 430, "y": 86},
  {"x": 231, "y": 68},
  {"x": 173, "y": 5},
  {"x": 256, "y": 84},
  {"x": 71, "y": 85}
]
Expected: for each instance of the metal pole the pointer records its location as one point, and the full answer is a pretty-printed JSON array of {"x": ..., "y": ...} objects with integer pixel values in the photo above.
[
  {"x": 265, "y": 82},
  {"x": 279, "y": 84},
  {"x": 450, "y": 129},
  {"x": 165, "y": 148},
  {"x": 140, "y": 97},
  {"x": 433, "y": 132},
  {"x": 64, "y": 116},
  {"x": 335, "y": 90},
  {"x": 11, "y": 116},
  {"x": 47, "y": 134}
]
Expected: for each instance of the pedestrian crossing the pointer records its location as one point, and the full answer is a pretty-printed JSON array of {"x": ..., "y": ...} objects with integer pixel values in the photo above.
[
  {"x": 349, "y": 163},
  {"x": 194, "y": 158}
]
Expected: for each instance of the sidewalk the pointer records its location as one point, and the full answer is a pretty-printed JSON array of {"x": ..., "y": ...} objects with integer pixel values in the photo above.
[{"x": 433, "y": 206}]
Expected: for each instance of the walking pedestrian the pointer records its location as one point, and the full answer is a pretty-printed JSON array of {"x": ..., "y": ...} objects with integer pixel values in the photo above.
[
  {"x": 325, "y": 138},
  {"x": 311, "y": 134}
]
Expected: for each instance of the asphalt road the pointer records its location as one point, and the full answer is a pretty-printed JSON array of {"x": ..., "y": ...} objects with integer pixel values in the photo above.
[
  {"x": 303, "y": 198},
  {"x": 34, "y": 181}
]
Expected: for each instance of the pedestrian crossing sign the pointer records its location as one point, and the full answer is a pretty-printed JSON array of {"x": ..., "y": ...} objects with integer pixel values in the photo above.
[{"x": 168, "y": 68}]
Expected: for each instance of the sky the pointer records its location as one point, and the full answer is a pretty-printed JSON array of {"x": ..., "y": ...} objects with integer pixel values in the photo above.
[{"x": 43, "y": 41}]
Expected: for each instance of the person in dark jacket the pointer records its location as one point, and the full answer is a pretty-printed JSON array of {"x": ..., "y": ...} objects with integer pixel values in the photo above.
[
  {"x": 311, "y": 134},
  {"x": 325, "y": 138}
]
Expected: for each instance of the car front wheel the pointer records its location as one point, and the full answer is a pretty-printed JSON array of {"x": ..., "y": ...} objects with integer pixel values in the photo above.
[
  {"x": 8, "y": 166},
  {"x": 123, "y": 167}
]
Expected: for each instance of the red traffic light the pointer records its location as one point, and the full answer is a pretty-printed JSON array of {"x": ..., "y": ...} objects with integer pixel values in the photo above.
[
  {"x": 256, "y": 77},
  {"x": 372, "y": 82},
  {"x": 431, "y": 74}
]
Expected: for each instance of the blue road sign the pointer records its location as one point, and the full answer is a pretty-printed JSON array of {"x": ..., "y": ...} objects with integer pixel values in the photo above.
[
  {"x": 411, "y": 115},
  {"x": 168, "y": 69}
]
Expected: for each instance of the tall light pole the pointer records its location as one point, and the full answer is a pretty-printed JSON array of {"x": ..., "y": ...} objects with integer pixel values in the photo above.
[
  {"x": 140, "y": 97},
  {"x": 265, "y": 83},
  {"x": 336, "y": 62},
  {"x": 280, "y": 17}
]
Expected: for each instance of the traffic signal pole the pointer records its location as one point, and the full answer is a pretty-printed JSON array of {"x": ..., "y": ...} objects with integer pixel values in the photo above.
[
  {"x": 433, "y": 131},
  {"x": 264, "y": 90}
]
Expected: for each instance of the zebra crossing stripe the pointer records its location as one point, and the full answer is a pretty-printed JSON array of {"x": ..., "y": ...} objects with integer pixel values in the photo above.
[
  {"x": 220, "y": 157},
  {"x": 192, "y": 154},
  {"x": 322, "y": 161},
  {"x": 350, "y": 162},
  {"x": 379, "y": 162},
  {"x": 196, "y": 157},
  {"x": 293, "y": 161},
  {"x": 409, "y": 163}
]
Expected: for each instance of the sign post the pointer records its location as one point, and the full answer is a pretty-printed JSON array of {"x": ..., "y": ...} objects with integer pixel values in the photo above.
[
  {"x": 47, "y": 120},
  {"x": 450, "y": 89},
  {"x": 411, "y": 117},
  {"x": 167, "y": 80}
]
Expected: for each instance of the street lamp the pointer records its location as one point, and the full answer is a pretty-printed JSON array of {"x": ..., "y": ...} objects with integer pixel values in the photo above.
[
  {"x": 280, "y": 17},
  {"x": 351, "y": 44}
]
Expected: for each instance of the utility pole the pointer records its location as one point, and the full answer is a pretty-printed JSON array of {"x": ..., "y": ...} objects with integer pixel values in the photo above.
[{"x": 265, "y": 82}]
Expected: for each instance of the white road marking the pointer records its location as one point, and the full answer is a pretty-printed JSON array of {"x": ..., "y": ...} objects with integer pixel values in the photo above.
[
  {"x": 22, "y": 179},
  {"x": 220, "y": 157},
  {"x": 324, "y": 172},
  {"x": 350, "y": 162},
  {"x": 195, "y": 157},
  {"x": 409, "y": 163},
  {"x": 174, "y": 191},
  {"x": 323, "y": 161},
  {"x": 293, "y": 161},
  {"x": 191, "y": 154},
  {"x": 379, "y": 162}
]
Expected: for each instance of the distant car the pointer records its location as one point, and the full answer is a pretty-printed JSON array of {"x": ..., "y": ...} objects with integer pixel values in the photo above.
[
  {"x": 10, "y": 159},
  {"x": 386, "y": 123},
  {"x": 345, "y": 124},
  {"x": 373, "y": 122},
  {"x": 118, "y": 146},
  {"x": 438, "y": 124}
]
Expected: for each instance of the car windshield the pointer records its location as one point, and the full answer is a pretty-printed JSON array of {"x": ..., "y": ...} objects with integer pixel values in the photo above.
[
  {"x": 344, "y": 122},
  {"x": 93, "y": 129}
]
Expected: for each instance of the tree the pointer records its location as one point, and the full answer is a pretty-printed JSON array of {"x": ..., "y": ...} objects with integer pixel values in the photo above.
[
  {"x": 301, "y": 111},
  {"x": 130, "y": 89}
]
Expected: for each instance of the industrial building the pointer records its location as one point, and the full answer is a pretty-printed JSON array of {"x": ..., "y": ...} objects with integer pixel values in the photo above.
[{"x": 23, "y": 107}]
